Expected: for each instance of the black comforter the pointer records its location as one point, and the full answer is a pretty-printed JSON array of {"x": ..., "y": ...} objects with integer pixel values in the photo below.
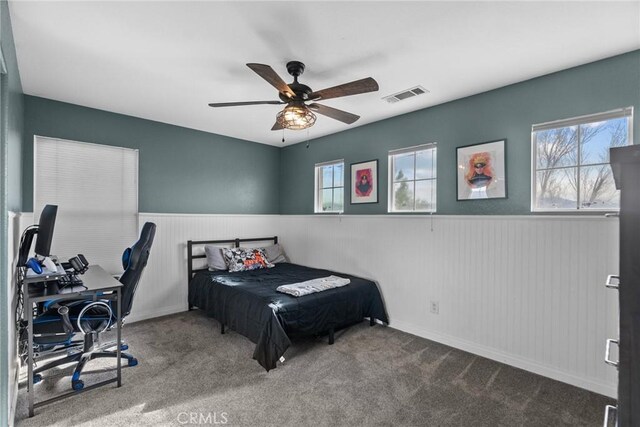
[{"x": 248, "y": 303}]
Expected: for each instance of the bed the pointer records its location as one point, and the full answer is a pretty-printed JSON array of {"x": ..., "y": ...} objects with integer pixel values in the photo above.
[{"x": 248, "y": 303}]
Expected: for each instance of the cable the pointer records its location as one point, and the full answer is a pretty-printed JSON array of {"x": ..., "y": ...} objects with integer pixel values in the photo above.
[{"x": 21, "y": 325}]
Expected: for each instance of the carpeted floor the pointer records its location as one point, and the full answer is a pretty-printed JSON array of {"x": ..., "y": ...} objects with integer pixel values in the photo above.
[{"x": 190, "y": 374}]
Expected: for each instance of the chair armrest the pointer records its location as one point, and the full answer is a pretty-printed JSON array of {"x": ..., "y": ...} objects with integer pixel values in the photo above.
[{"x": 63, "y": 311}]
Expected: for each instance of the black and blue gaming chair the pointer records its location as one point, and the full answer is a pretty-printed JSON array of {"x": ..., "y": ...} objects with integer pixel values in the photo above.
[{"x": 66, "y": 318}]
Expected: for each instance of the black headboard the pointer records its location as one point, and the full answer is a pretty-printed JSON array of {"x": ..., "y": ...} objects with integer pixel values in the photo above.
[{"x": 234, "y": 242}]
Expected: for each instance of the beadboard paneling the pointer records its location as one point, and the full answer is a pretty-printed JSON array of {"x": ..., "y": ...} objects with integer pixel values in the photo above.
[
  {"x": 13, "y": 240},
  {"x": 525, "y": 290}
]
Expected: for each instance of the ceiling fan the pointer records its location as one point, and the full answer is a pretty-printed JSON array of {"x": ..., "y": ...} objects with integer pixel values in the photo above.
[{"x": 298, "y": 114}]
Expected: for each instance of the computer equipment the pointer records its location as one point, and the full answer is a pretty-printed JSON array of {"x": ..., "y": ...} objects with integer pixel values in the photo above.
[
  {"x": 70, "y": 280},
  {"x": 84, "y": 260},
  {"x": 48, "y": 263},
  {"x": 78, "y": 264},
  {"x": 45, "y": 230},
  {"x": 34, "y": 265}
]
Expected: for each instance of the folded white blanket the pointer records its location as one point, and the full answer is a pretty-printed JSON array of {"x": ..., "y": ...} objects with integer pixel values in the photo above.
[{"x": 312, "y": 286}]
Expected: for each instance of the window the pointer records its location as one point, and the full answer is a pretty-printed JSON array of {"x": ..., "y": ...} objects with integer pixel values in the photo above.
[
  {"x": 96, "y": 190},
  {"x": 412, "y": 179},
  {"x": 571, "y": 161},
  {"x": 329, "y": 187}
]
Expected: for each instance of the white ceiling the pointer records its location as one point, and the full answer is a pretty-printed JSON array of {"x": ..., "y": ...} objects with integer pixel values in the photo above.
[{"x": 166, "y": 61}]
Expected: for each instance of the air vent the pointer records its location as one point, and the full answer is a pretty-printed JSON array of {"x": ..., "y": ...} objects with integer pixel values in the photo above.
[{"x": 405, "y": 94}]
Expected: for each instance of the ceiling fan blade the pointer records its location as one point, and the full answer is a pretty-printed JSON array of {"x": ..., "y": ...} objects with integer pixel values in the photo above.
[
  {"x": 365, "y": 85},
  {"x": 267, "y": 73},
  {"x": 334, "y": 113},
  {"x": 277, "y": 126},
  {"x": 235, "y": 104}
]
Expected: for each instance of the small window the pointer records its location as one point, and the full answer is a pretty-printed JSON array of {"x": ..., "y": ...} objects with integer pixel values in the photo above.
[
  {"x": 412, "y": 179},
  {"x": 571, "y": 161},
  {"x": 329, "y": 187}
]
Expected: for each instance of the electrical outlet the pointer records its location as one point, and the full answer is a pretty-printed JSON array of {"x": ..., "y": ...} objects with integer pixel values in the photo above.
[{"x": 435, "y": 307}]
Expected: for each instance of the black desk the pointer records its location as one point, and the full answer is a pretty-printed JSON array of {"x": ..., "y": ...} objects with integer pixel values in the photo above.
[{"x": 96, "y": 281}]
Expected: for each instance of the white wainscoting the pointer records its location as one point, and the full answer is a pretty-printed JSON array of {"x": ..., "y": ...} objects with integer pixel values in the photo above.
[
  {"x": 13, "y": 240},
  {"x": 525, "y": 290}
]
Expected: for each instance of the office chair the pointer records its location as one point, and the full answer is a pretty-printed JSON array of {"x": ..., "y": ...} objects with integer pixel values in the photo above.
[{"x": 66, "y": 318}]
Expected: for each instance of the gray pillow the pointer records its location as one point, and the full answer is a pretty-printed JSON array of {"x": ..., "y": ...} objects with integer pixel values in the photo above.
[
  {"x": 215, "y": 258},
  {"x": 275, "y": 254}
]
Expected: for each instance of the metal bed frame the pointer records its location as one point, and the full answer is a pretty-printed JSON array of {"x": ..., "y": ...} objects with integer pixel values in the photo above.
[{"x": 236, "y": 244}]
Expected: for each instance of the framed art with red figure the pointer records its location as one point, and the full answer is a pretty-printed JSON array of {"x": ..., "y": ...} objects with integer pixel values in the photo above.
[{"x": 364, "y": 182}]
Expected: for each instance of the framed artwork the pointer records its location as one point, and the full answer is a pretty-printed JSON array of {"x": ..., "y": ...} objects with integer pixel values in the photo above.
[
  {"x": 482, "y": 171},
  {"x": 364, "y": 182}
]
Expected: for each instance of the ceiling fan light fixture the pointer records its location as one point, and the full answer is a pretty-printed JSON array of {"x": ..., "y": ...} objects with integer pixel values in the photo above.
[{"x": 296, "y": 116}]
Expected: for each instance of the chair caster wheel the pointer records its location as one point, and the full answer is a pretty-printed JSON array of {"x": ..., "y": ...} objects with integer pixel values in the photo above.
[
  {"x": 132, "y": 362},
  {"x": 124, "y": 347},
  {"x": 37, "y": 378},
  {"x": 77, "y": 385}
]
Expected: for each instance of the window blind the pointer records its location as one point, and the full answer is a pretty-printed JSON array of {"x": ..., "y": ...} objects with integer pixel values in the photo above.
[
  {"x": 575, "y": 121},
  {"x": 413, "y": 149},
  {"x": 96, "y": 190}
]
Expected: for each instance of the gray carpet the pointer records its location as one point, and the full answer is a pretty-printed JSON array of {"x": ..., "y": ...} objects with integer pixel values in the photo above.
[{"x": 370, "y": 376}]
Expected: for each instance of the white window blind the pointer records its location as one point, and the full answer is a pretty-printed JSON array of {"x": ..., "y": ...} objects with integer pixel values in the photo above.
[{"x": 96, "y": 190}]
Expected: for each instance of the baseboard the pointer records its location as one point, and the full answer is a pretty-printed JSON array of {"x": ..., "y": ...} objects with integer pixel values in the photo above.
[
  {"x": 14, "y": 396},
  {"x": 137, "y": 317},
  {"x": 518, "y": 362}
]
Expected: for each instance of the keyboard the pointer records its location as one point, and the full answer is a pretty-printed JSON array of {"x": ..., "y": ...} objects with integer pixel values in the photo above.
[{"x": 70, "y": 280}]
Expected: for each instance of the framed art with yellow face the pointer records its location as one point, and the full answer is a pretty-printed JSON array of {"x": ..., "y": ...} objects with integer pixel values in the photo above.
[{"x": 481, "y": 171}]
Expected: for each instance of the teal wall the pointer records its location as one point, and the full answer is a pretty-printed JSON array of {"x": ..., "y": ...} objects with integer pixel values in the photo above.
[
  {"x": 181, "y": 170},
  {"x": 14, "y": 124},
  {"x": 10, "y": 190},
  {"x": 507, "y": 112}
]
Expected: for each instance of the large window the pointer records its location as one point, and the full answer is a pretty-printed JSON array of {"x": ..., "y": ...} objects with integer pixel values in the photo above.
[
  {"x": 96, "y": 190},
  {"x": 571, "y": 161},
  {"x": 412, "y": 179},
  {"x": 329, "y": 192}
]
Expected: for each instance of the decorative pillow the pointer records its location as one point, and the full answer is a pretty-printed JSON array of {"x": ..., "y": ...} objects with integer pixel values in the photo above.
[
  {"x": 242, "y": 259},
  {"x": 275, "y": 253},
  {"x": 215, "y": 258}
]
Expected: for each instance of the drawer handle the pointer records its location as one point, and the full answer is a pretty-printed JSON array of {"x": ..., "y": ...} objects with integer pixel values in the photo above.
[
  {"x": 609, "y": 283},
  {"x": 611, "y": 215},
  {"x": 607, "y": 411},
  {"x": 607, "y": 360}
]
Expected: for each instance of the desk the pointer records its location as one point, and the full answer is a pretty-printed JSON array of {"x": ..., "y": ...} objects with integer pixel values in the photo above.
[{"x": 96, "y": 281}]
